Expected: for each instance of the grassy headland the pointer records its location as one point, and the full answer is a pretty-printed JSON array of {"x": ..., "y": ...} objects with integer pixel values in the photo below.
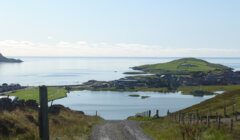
[{"x": 33, "y": 93}]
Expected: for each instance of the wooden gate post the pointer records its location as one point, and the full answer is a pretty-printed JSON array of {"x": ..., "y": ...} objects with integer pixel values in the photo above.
[{"x": 43, "y": 114}]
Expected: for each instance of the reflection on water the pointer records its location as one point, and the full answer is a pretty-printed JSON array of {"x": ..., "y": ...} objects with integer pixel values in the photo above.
[{"x": 119, "y": 105}]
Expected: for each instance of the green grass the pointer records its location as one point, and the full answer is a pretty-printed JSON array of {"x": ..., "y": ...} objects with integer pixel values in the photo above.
[
  {"x": 182, "y": 65},
  {"x": 190, "y": 89},
  {"x": 216, "y": 104},
  {"x": 134, "y": 72},
  {"x": 166, "y": 129},
  {"x": 33, "y": 93},
  {"x": 184, "y": 89}
]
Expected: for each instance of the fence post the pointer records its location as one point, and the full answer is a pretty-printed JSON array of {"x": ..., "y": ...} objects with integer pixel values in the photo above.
[
  {"x": 43, "y": 114},
  {"x": 168, "y": 112},
  {"x": 236, "y": 116},
  {"x": 216, "y": 117},
  {"x": 231, "y": 125},
  {"x": 225, "y": 110},
  {"x": 182, "y": 118},
  {"x": 219, "y": 122},
  {"x": 190, "y": 118},
  {"x": 51, "y": 102},
  {"x": 233, "y": 109},
  {"x": 157, "y": 113},
  {"x": 149, "y": 113},
  {"x": 179, "y": 119},
  {"x": 208, "y": 121}
]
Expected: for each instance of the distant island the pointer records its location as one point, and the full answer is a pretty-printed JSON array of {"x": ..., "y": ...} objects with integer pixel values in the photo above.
[
  {"x": 183, "y": 66},
  {"x": 9, "y": 60},
  {"x": 170, "y": 76}
]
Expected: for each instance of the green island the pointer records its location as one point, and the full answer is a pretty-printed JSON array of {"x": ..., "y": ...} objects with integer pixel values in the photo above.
[
  {"x": 182, "y": 66},
  {"x": 188, "y": 75}
]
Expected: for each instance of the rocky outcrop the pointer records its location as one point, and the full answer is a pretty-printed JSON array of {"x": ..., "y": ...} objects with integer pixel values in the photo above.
[
  {"x": 169, "y": 81},
  {"x": 9, "y": 104},
  {"x": 9, "y": 60}
]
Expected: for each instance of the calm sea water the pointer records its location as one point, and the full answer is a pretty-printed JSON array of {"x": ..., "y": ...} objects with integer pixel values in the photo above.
[
  {"x": 66, "y": 70},
  {"x": 119, "y": 105},
  {"x": 110, "y": 105}
]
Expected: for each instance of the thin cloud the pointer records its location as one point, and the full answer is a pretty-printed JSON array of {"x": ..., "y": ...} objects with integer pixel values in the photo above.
[{"x": 83, "y": 48}]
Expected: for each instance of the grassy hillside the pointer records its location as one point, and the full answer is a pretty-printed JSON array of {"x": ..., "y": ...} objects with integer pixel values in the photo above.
[
  {"x": 217, "y": 104},
  {"x": 168, "y": 129},
  {"x": 22, "y": 124},
  {"x": 33, "y": 93},
  {"x": 182, "y": 65}
]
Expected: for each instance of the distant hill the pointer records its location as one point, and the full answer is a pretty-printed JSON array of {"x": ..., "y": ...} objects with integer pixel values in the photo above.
[
  {"x": 8, "y": 60},
  {"x": 184, "y": 65}
]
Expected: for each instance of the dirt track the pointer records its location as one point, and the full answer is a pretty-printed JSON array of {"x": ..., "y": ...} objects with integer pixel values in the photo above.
[{"x": 118, "y": 130}]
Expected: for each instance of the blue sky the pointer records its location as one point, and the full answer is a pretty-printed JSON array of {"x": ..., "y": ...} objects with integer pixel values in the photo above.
[{"x": 120, "y": 27}]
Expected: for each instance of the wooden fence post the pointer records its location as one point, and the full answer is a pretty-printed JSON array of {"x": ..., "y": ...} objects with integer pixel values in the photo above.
[
  {"x": 43, "y": 114},
  {"x": 231, "y": 125},
  {"x": 182, "y": 118},
  {"x": 201, "y": 119},
  {"x": 157, "y": 113},
  {"x": 219, "y": 122},
  {"x": 149, "y": 113},
  {"x": 179, "y": 118},
  {"x": 190, "y": 120},
  {"x": 225, "y": 110},
  {"x": 236, "y": 116},
  {"x": 216, "y": 117},
  {"x": 208, "y": 121},
  {"x": 51, "y": 102},
  {"x": 233, "y": 109}
]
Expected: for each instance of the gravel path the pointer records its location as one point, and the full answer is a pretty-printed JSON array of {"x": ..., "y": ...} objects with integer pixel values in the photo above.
[{"x": 118, "y": 130}]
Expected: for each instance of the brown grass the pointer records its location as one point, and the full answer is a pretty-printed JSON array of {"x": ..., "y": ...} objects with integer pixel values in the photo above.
[{"x": 67, "y": 125}]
